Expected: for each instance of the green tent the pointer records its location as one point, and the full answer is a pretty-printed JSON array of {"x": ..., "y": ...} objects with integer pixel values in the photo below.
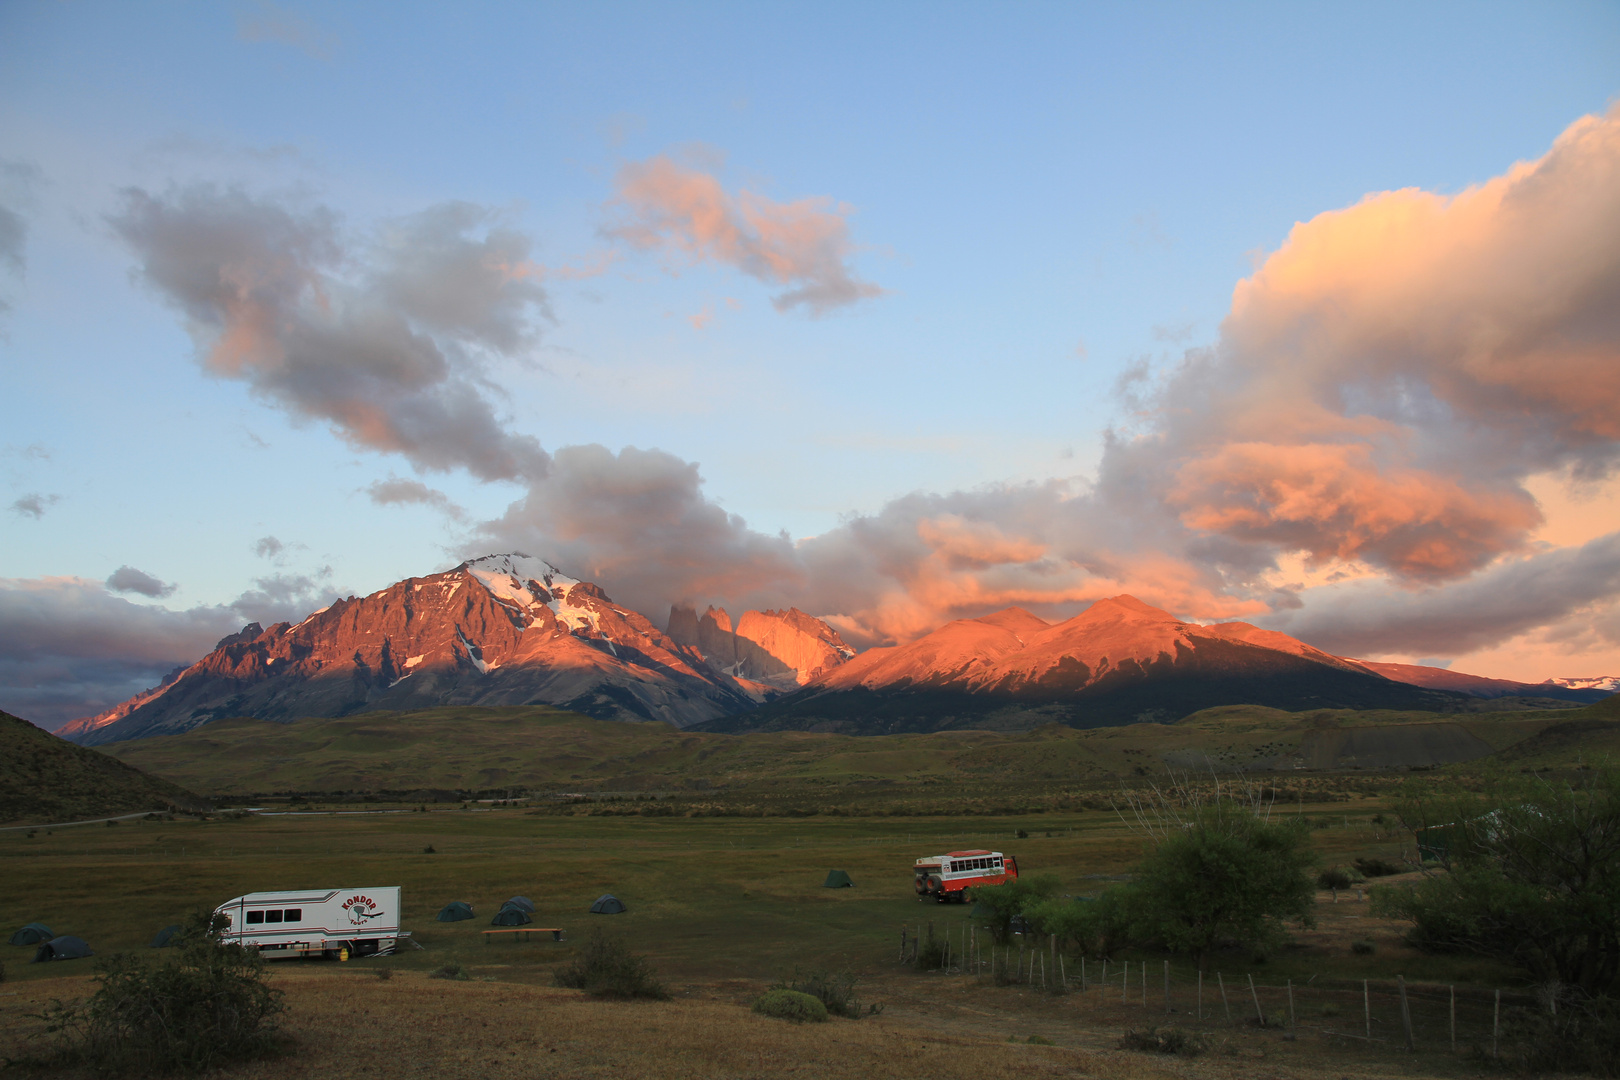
[
  {"x": 32, "y": 934},
  {"x": 837, "y": 879},
  {"x": 522, "y": 903},
  {"x": 169, "y": 935},
  {"x": 607, "y": 904},
  {"x": 62, "y": 948},
  {"x": 510, "y": 916},
  {"x": 456, "y": 912}
]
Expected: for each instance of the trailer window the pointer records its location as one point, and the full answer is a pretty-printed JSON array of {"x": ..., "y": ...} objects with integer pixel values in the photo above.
[
  {"x": 295, "y": 914},
  {"x": 272, "y": 916},
  {"x": 255, "y": 917}
]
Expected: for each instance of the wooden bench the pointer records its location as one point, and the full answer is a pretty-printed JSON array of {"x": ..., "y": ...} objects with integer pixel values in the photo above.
[{"x": 556, "y": 935}]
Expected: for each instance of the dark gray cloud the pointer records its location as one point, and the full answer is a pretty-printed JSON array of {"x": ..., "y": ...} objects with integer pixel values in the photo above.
[
  {"x": 34, "y": 505},
  {"x": 268, "y": 547},
  {"x": 383, "y": 340},
  {"x": 129, "y": 579},
  {"x": 69, "y": 648},
  {"x": 1362, "y": 618}
]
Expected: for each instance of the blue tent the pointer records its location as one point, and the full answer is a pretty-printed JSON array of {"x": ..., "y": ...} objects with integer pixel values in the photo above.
[
  {"x": 32, "y": 934},
  {"x": 522, "y": 903},
  {"x": 510, "y": 916},
  {"x": 607, "y": 904},
  {"x": 169, "y": 935},
  {"x": 456, "y": 912},
  {"x": 62, "y": 948}
]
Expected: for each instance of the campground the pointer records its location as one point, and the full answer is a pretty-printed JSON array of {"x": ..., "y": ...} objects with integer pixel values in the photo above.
[{"x": 723, "y": 906}]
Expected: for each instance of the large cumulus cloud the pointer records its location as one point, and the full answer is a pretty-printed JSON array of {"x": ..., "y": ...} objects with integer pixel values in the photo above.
[{"x": 381, "y": 337}]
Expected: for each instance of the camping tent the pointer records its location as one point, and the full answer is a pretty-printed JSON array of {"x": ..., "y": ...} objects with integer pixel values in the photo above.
[
  {"x": 522, "y": 903},
  {"x": 837, "y": 879},
  {"x": 169, "y": 935},
  {"x": 62, "y": 948},
  {"x": 456, "y": 912},
  {"x": 32, "y": 934},
  {"x": 510, "y": 916},
  {"x": 607, "y": 904}
]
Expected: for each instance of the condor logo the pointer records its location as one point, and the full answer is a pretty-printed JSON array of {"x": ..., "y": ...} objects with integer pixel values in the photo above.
[{"x": 360, "y": 909}]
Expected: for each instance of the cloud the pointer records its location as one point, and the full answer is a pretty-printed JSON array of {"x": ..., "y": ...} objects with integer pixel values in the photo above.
[
  {"x": 1517, "y": 596},
  {"x": 803, "y": 246},
  {"x": 69, "y": 648},
  {"x": 268, "y": 547},
  {"x": 398, "y": 492},
  {"x": 34, "y": 505},
  {"x": 129, "y": 579},
  {"x": 384, "y": 341},
  {"x": 273, "y": 23}
]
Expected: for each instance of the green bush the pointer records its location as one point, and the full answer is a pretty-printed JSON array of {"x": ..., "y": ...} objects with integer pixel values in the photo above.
[
  {"x": 998, "y": 904},
  {"x": 835, "y": 991},
  {"x": 1375, "y": 867},
  {"x": 606, "y": 967},
  {"x": 1333, "y": 879},
  {"x": 1097, "y": 926},
  {"x": 1578, "y": 1034},
  {"x": 199, "y": 1009},
  {"x": 1168, "y": 1041},
  {"x": 1533, "y": 879},
  {"x": 791, "y": 1005},
  {"x": 1362, "y": 948},
  {"x": 1227, "y": 876}
]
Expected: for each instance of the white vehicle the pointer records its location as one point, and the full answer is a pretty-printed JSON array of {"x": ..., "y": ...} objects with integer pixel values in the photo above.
[{"x": 338, "y": 923}]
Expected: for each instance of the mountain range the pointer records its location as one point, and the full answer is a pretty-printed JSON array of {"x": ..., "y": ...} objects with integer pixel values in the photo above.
[{"x": 511, "y": 629}]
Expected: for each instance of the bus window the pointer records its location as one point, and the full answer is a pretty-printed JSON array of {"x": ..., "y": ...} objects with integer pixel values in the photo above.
[
  {"x": 272, "y": 916},
  {"x": 255, "y": 917},
  {"x": 295, "y": 914}
]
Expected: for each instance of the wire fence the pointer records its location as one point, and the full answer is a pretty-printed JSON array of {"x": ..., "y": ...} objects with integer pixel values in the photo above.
[{"x": 1388, "y": 1012}]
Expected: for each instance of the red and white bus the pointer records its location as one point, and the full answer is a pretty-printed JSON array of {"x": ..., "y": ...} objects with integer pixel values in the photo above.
[{"x": 947, "y": 878}]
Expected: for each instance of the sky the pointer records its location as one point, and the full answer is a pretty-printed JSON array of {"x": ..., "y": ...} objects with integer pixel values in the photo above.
[{"x": 1302, "y": 314}]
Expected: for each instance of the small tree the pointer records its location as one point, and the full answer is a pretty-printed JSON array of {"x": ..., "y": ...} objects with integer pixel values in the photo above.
[
  {"x": 1227, "y": 874},
  {"x": 1533, "y": 880},
  {"x": 194, "y": 1012},
  {"x": 999, "y": 904}
]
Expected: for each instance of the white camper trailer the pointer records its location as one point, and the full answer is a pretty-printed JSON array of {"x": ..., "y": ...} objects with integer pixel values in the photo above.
[{"x": 315, "y": 922}]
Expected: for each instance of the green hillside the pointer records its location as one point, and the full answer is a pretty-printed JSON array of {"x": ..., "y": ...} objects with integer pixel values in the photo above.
[
  {"x": 460, "y": 748},
  {"x": 45, "y": 779}
]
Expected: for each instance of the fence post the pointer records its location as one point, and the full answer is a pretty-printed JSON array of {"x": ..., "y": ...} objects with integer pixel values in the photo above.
[
  {"x": 1406, "y": 1012},
  {"x": 1063, "y": 976},
  {"x": 1453, "y": 1018},
  {"x": 1102, "y": 984},
  {"x": 1290, "y": 1004},
  {"x": 1125, "y": 985},
  {"x": 1256, "y": 995},
  {"x": 1227, "y": 1005},
  {"x": 1496, "y": 1024},
  {"x": 1043, "y": 973},
  {"x": 1200, "y": 993},
  {"x": 1366, "y": 1007},
  {"x": 1144, "y": 984},
  {"x": 902, "y": 944},
  {"x": 1167, "y": 986}
]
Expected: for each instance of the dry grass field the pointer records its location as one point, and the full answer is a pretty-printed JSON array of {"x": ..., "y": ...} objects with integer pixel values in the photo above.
[{"x": 724, "y": 906}]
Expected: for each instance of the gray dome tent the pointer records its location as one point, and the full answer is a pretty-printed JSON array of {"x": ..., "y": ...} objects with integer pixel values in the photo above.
[
  {"x": 457, "y": 911},
  {"x": 607, "y": 904},
  {"x": 32, "y": 934},
  {"x": 510, "y": 916},
  {"x": 837, "y": 879},
  {"x": 62, "y": 948},
  {"x": 169, "y": 935},
  {"x": 522, "y": 903}
]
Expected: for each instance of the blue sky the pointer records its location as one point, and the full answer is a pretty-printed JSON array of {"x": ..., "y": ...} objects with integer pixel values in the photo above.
[{"x": 1049, "y": 196}]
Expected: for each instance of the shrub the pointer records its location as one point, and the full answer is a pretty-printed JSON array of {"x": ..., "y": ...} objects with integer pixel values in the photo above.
[
  {"x": 605, "y": 967},
  {"x": 451, "y": 971},
  {"x": 1362, "y": 947},
  {"x": 1169, "y": 1041},
  {"x": 835, "y": 991},
  {"x": 1333, "y": 879},
  {"x": 1577, "y": 1034},
  {"x": 1000, "y": 904},
  {"x": 791, "y": 1005},
  {"x": 1227, "y": 875},
  {"x": 1534, "y": 877},
  {"x": 1376, "y": 867},
  {"x": 197, "y": 1010},
  {"x": 1097, "y": 927}
]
